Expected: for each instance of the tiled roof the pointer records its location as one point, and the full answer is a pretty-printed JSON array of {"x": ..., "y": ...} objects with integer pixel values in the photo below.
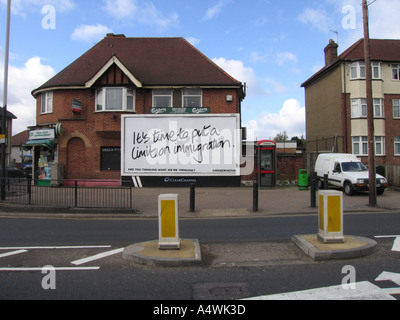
[
  {"x": 152, "y": 61},
  {"x": 381, "y": 50}
]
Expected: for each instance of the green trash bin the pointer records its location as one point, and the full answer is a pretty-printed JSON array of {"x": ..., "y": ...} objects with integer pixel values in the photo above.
[{"x": 303, "y": 179}]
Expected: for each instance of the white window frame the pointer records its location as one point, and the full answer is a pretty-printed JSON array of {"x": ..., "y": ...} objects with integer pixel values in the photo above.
[
  {"x": 162, "y": 93},
  {"x": 358, "y": 70},
  {"x": 379, "y": 111},
  {"x": 359, "y": 108},
  {"x": 192, "y": 93},
  {"x": 46, "y": 102},
  {"x": 360, "y": 146},
  {"x": 396, "y": 142},
  {"x": 396, "y": 105},
  {"x": 126, "y": 93},
  {"x": 396, "y": 72}
]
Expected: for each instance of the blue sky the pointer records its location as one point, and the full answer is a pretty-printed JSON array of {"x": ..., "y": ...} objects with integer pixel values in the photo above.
[{"x": 273, "y": 46}]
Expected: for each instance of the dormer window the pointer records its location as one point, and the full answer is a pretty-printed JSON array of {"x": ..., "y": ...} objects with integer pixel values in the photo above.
[{"x": 115, "y": 99}]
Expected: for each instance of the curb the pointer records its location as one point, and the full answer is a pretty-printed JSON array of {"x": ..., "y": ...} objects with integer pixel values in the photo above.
[
  {"x": 147, "y": 253},
  {"x": 354, "y": 247}
]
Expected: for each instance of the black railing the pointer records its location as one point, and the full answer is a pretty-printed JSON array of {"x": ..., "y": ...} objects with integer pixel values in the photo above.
[{"x": 75, "y": 193}]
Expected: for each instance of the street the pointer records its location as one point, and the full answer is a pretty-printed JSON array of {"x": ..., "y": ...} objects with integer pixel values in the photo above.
[{"x": 242, "y": 258}]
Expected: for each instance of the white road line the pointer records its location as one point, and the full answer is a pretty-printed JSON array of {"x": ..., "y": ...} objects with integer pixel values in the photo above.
[
  {"x": 55, "y": 268},
  {"x": 53, "y": 248},
  {"x": 12, "y": 253},
  {"x": 97, "y": 256}
]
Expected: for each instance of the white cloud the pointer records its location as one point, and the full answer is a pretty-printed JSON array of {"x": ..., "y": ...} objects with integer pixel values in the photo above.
[
  {"x": 90, "y": 34},
  {"x": 214, "y": 10},
  {"x": 285, "y": 57},
  {"x": 237, "y": 70},
  {"x": 291, "y": 119},
  {"x": 22, "y": 80},
  {"x": 193, "y": 41},
  {"x": 277, "y": 86},
  {"x": 317, "y": 18},
  {"x": 20, "y": 7},
  {"x": 146, "y": 13}
]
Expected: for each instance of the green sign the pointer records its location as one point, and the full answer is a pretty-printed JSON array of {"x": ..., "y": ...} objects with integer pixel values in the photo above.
[{"x": 179, "y": 110}]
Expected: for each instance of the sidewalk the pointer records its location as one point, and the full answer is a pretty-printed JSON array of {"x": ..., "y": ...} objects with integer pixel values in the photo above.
[
  {"x": 220, "y": 202},
  {"x": 223, "y": 202}
]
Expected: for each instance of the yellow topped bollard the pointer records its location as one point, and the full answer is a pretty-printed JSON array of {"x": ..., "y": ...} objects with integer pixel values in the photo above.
[
  {"x": 330, "y": 216},
  {"x": 168, "y": 216}
]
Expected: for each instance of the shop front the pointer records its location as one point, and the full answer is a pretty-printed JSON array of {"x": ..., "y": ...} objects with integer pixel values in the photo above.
[{"x": 45, "y": 155}]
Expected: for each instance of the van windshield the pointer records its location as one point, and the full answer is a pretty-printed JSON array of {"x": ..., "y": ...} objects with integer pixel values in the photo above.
[{"x": 353, "y": 166}]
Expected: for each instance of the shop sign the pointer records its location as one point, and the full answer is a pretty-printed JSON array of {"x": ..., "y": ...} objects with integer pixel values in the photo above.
[
  {"x": 179, "y": 110},
  {"x": 185, "y": 145},
  {"x": 76, "y": 106},
  {"x": 42, "y": 134}
]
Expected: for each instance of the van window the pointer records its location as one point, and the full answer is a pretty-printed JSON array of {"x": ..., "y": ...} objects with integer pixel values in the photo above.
[
  {"x": 337, "y": 167},
  {"x": 353, "y": 166}
]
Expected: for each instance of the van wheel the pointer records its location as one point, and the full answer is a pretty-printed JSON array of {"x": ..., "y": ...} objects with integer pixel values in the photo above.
[
  {"x": 348, "y": 189},
  {"x": 380, "y": 192}
]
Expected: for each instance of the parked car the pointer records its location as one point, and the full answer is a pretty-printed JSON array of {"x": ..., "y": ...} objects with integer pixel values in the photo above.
[
  {"x": 348, "y": 172},
  {"x": 12, "y": 172}
]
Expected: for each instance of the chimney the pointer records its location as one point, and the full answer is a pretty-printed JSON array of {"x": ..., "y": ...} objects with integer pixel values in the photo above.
[{"x": 331, "y": 52}]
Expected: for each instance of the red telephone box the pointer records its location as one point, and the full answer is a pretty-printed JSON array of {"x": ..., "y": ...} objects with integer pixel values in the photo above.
[{"x": 267, "y": 164}]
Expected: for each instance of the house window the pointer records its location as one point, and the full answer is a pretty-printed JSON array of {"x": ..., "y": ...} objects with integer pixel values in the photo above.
[
  {"x": 115, "y": 99},
  {"x": 360, "y": 146},
  {"x": 396, "y": 109},
  {"x": 358, "y": 70},
  {"x": 359, "y": 108},
  {"x": 395, "y": 71},
  {"x": 47, "y": 103},
  {"x": 378, "y": 108},
  {"x": 162, "y": 98},
  {"x": 192, "y": 98},
  {"x": 397, "y": 146}
]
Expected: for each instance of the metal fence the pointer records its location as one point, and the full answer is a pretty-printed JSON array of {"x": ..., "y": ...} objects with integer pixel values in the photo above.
[{"x": 76, "y": 194}]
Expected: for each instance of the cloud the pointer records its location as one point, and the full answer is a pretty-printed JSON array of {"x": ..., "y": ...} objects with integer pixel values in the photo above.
[
  {"x": 277, "y": 86},
  {"x": 193, "y": 41},
  {"x": 20, "y": 7},
  {"x": 291, "y": 119},
  {"x": 317, "y": 18},
  {"x": 90, "y": 34},
  {"x": 214, "y": 10},
  {"x": 285, "y": 57},
  {"x": 145, "y": 13},
  {"x": 237, "y": 70},
  {"x": 22, "y": 80}
]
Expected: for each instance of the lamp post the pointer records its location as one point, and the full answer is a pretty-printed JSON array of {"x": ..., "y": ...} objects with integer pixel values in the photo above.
[{"x": 4, "y": 115}]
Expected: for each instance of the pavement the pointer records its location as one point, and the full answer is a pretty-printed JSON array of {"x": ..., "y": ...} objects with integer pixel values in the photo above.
[{"x": 228, "y": 202}]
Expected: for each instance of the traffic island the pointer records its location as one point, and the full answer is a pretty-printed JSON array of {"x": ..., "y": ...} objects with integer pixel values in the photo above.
[
  {"x": 148, "y": 253},
  {"x": 352, "y": 247}
]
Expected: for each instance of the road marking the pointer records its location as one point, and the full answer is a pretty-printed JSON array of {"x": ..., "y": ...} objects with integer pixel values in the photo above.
[
  {"x": 97, "y": 256},
  {"x": 12, "y": 253},
  {"x": 54, "y": 248},
  {"x": 389, "y": 276},
  {"x": 364, "y": 291},
  {"x": 396, "y": 244},
  {"x": 55, "y": 268}
]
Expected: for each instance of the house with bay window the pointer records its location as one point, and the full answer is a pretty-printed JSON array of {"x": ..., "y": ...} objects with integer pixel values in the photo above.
[
  {"x": 336, "y": 105},
  {"x": 78, "y": 130}
]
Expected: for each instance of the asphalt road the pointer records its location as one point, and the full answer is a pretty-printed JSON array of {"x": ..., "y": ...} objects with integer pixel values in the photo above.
[{"x": 229, "y": 270}]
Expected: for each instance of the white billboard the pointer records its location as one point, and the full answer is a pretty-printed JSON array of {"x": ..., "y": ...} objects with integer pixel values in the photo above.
[{"x": 184, "y": 145}]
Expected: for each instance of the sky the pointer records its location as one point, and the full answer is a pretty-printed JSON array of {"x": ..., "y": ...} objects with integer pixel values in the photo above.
[{"x": 272, "y": 46}]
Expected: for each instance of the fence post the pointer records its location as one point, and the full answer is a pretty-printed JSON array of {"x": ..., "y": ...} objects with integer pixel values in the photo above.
[
  {"x": 29, "y": 191},
  {"x": 313, "y": 190},
  {"x": 76, "y": 193}
]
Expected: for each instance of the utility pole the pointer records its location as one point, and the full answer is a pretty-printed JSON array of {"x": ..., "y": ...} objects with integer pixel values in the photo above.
[
  {"x": 4, "y": 115},
  {"x": 371, "y": 129}
]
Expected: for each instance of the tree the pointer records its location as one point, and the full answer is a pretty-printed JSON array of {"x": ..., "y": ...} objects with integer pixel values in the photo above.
[{"x": 281, "y": 137}]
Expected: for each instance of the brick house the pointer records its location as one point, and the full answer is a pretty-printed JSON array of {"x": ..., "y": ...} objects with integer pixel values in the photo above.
[
  {"x": 336, "y": 109},
  {"x": 84, "y": 102}
]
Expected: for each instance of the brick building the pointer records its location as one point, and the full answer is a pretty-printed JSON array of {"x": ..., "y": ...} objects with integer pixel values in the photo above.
[
  {"x": 79, "y": 110},
  {"x": 336, "y": 108}
]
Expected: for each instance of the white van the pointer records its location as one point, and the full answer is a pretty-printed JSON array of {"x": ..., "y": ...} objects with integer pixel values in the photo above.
[{"x": 346, "y": 171}]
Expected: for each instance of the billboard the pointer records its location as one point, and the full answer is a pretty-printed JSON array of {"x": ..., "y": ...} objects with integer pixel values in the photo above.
[{"x": 184, "y": 145}]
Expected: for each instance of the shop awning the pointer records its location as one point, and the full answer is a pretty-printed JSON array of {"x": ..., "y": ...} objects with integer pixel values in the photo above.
[{"x": 47, "y": 143}]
